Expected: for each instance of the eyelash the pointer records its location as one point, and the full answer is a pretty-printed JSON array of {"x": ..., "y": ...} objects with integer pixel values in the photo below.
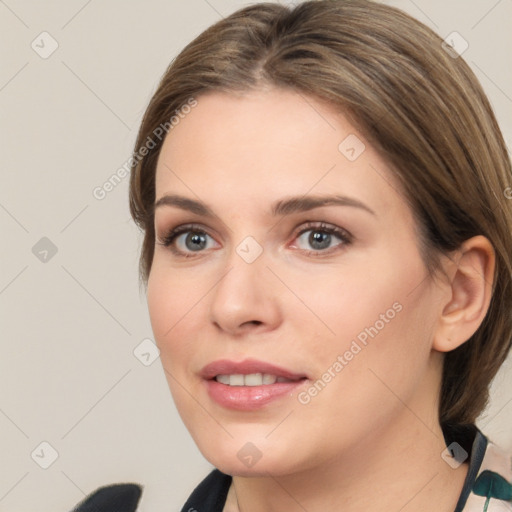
[{"x": 168, "y": 239}]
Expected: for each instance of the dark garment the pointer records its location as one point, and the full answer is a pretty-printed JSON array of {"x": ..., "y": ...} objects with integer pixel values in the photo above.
[
  {"x": 210, "y": 495},
  {"x": 114, "y": 498}
]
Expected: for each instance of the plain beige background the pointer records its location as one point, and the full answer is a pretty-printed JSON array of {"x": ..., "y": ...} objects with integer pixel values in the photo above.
[{"x": 72, "y": 319}]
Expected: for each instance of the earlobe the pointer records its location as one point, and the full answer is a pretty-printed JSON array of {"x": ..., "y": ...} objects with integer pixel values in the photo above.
[{"x": 471, "y": 287}]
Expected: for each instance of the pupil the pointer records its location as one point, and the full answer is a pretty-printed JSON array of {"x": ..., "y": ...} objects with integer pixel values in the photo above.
[
  {"x": 318, "y": 237},
  {"x": 198, "y": 241}
]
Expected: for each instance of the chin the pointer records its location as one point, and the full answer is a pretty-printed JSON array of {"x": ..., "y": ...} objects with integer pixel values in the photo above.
[
  {"x": 260, "y": 469},
  {"x": 246, "y": 460}
]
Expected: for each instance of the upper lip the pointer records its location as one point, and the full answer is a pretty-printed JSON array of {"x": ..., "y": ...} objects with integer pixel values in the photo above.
[{"x": 246, "y": 367}]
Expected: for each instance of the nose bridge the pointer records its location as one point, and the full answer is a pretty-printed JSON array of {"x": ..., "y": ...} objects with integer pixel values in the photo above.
[
  {"x": 244, "y": 271},
  {"x": 243, "y": 293}
]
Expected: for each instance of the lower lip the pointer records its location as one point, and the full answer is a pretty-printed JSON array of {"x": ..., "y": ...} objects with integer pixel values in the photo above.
[{"x": 249, "y": 398}]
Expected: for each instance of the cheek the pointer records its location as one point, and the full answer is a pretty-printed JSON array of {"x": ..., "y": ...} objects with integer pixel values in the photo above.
[
  {"x": 160, "y": 304},
  {"x": 170, "y": 314},
  {"x": 169, "y": 309},
  {"x": 349, "y": 301},
  {"x": 378, "y": 314}
]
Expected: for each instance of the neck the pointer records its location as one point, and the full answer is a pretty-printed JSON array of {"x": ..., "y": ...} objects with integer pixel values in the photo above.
[{"x": 400, "y": 469}]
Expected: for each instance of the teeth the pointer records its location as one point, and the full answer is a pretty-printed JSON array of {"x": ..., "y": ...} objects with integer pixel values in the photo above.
[
  {"x": 253, "y": 379},
  {"x": 223, "y": 379},
  {"x": 268, "y": 379}
]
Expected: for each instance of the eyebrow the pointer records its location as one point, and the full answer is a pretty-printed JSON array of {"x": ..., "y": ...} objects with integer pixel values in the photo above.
[{"x": 279, "y": 208}]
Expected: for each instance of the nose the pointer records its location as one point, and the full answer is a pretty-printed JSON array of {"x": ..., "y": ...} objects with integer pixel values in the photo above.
[{"x": 245, "y": 298}]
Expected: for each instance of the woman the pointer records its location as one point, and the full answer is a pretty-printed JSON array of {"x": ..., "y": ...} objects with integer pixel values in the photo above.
[{"x": 324, "y": 194}]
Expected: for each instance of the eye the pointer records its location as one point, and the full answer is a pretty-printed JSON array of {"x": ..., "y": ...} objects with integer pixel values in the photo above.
[
  {"x": 185, "y": 240},
  {"x": 322, "y": 238}
]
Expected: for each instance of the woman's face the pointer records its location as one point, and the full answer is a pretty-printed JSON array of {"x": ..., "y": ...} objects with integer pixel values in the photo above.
[{"x": 336, "y": 296}]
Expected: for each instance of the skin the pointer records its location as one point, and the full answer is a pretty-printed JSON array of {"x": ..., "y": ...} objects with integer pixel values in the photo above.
[{"x": 371, "y": 438}]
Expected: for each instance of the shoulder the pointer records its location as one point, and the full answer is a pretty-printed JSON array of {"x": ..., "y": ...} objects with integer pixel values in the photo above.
[
  {"x": 492, "y": 488},
  {"x": 122, "y": 497},
  {"x": 489, "y": 483}
]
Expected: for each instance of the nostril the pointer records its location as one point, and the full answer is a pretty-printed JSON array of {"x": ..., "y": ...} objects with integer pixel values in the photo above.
[{"x": 253, "y": 322}]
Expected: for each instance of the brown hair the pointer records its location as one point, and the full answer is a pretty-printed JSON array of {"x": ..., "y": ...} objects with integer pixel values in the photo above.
[{"x": 419, "y": 105}]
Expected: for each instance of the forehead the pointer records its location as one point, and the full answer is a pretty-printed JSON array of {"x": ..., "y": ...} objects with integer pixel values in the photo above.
[{"x": 267, "y": 144}]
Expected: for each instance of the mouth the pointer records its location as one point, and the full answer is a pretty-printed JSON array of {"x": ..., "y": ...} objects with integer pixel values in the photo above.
[
  {"x": 251, "y": 379},
  {"x": 249, "y": 384}
]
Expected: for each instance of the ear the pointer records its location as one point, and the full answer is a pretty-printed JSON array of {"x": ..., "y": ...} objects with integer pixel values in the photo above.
[{"x": 470, "y": 288}]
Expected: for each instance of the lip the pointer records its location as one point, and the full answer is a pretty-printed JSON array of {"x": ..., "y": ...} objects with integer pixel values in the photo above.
[{"x": 249, "y": 398}]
